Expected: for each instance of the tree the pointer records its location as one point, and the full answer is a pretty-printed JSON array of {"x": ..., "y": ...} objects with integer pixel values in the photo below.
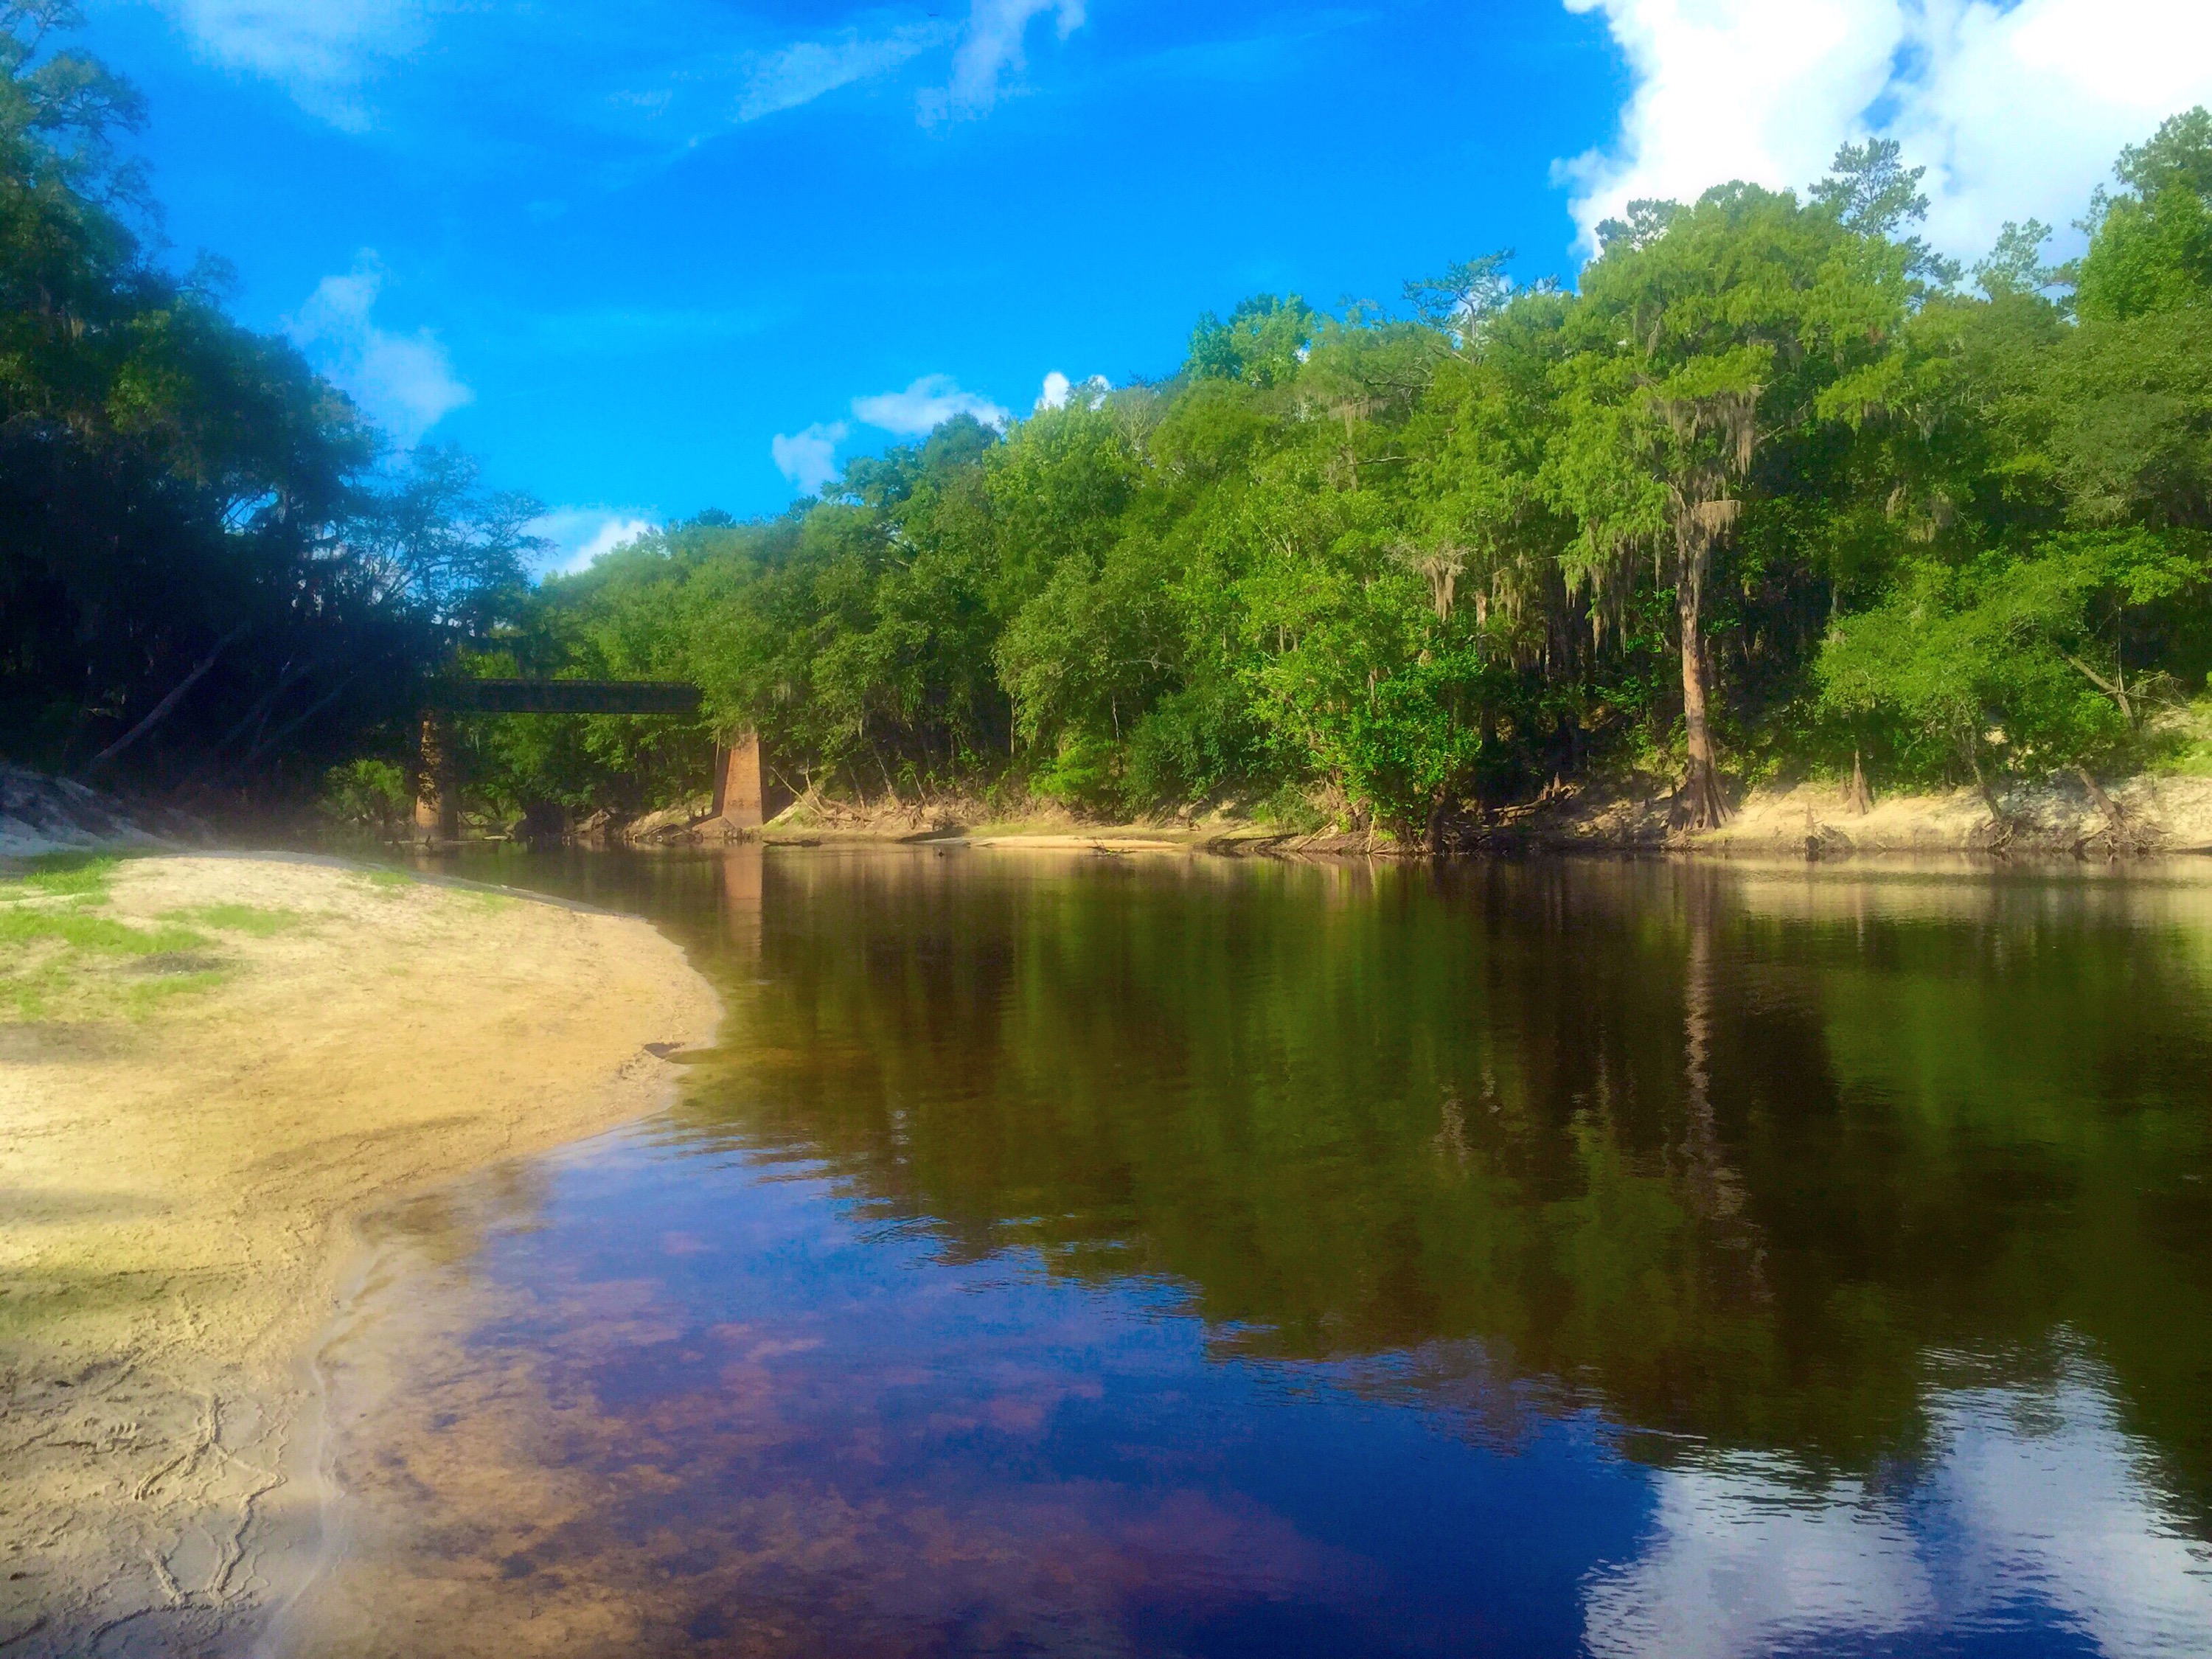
[
  {"x": 1691, "y": 349},
  {"x": 2150, "y": 246},
  {"x": 1458, "y": 302},
  {"x": 2010, "y": 666},
  {"x": 206, "y": 585},
  {"x": 1261, "y": 343},
  {"x": 1771, "y": 482},
  {"x": 2015, "y": 264},
  {"x": 1870, "y": 191},
  {"x": 437, "y": 537}
]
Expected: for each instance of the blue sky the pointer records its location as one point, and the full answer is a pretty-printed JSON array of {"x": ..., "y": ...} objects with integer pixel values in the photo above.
[{"x": 666, "y": 255}]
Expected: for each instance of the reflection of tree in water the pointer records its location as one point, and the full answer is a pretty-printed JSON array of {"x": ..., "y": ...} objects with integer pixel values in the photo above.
[
  {"x": 1712, "y": 1190},
  {"x": 1733, "y": 1155}
]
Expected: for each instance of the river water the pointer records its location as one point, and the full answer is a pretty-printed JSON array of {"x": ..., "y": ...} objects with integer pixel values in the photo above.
[{"x": 1063, "y": 1254}]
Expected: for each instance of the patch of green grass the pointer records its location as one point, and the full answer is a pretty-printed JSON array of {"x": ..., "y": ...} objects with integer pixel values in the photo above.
[
  {"x": 33, "y": 991},
  {"x": 387, "y": 882},
  {"x": 494, "y": 901},
  {"x": 141, "y": 999},
  {"x": 62, "y": 875},
  {"x": 51, "y": 961},
  {"x": 81, "y": 930},
  {"x": 258, "y": 920},
  {"x": 76, "y": 1287}
]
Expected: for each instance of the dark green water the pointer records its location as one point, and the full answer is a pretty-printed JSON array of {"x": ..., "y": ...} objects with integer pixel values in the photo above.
[{"x": 1068, "y": 1254}]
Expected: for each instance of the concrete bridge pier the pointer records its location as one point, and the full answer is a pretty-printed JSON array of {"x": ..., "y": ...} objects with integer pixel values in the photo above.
[
  {"x": 747, "y": 791},
  {"x": 437, "y": 792}
]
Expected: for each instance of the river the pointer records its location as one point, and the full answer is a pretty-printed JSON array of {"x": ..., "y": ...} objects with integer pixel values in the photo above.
[{"x": 1067, "y": 1254}]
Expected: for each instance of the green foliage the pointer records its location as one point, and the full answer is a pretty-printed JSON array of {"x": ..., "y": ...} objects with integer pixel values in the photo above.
[
  {"x": 1870, "y": 191},
  {"x": 2187, "y": 752},
  {"x": 1766, "y": 487},
  {"x": 1464, "y": 296},
  {"x": 1261, "y": 344},
  {"x": 2015, "y": 264},
  {"x": 2150, "y": 247},
  {"x": 370, "y": 792},
  {"x": 1083, "y": 773},
  {"x": 2017, "y": 664},
  {"x": 214, "y": 578}
]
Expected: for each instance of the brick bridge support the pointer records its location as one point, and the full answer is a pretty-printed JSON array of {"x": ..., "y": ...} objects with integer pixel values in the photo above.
[
  {"x": 437, "y": 794},
  {"x": 747, "y": 791}
]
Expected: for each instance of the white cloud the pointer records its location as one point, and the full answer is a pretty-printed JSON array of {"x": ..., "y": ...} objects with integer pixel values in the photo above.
[
  {"x": 2039, "y": 1488},
  {"x": 580, "y": 534},
  {"x": 804, "y": 71},
  {"x": 679, "y": 66},
  {"x": 316, "y": 49},
  {"x": 405, "y": 383},
  {"x": 1058, "y": 388},
  {"x": 924, "y": 406},
  {"x": 2016, "y": 111},
  {"x": 809, "y": 459},
  {"x": 991, "y": 46}
]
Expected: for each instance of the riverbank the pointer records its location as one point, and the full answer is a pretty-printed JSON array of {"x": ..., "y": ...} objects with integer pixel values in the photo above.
[
  {"x": 2062, "y": 818},
  {"x": 212, "y": 1064}
]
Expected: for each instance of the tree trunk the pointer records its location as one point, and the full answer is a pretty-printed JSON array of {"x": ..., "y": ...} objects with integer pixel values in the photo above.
[
  {"x": 2121, "y": 836},
  {"x": 1862, "y": 798},
  {"x": 2000, "y": 819},
  {"x": 1709, "y": 809},
  {"x": 161, "y": 709},
  {"x": 2104, "y": 802}
]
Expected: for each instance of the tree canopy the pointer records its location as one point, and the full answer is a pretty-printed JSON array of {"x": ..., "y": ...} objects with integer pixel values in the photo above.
[
  {"x": 215, "y": 577},
  {"x": 1771, "y": 487}
]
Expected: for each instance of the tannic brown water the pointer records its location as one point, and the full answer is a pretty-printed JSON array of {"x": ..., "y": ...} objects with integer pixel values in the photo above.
[{"x": 1076, "y": 1255}]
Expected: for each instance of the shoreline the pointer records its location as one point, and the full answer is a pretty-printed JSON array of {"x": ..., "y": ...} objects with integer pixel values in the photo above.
[
  {"x": 2143, "y": 819},
  {"x": 2061, "y": 819},
  {"x": 186, "y": 1171}
]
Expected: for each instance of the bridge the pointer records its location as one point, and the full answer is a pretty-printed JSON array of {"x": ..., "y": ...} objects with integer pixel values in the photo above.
[{"x": 747, "y": 793}]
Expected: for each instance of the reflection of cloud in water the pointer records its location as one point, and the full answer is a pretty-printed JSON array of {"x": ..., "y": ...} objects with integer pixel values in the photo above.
[
  {"x": 2031, "y": 1500},
  {"x": 2064, "y": 1508},
  {"x": 1743, "y": 1557}
]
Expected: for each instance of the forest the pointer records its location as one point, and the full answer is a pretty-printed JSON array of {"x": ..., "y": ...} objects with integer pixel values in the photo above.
[
  {"x": 218, "y": 581},
  {"x": 1770, "y": 490}
]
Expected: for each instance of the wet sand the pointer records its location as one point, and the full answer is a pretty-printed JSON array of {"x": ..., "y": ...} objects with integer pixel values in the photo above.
[{"x": 177, "y": 1197}]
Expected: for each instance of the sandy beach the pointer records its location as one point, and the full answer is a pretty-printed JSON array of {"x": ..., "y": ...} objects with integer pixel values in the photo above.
[{"x": 208, "y": 1066}]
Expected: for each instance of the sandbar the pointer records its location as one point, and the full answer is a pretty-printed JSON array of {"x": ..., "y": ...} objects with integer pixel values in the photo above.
[{"x": 178, "y": 1178}]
